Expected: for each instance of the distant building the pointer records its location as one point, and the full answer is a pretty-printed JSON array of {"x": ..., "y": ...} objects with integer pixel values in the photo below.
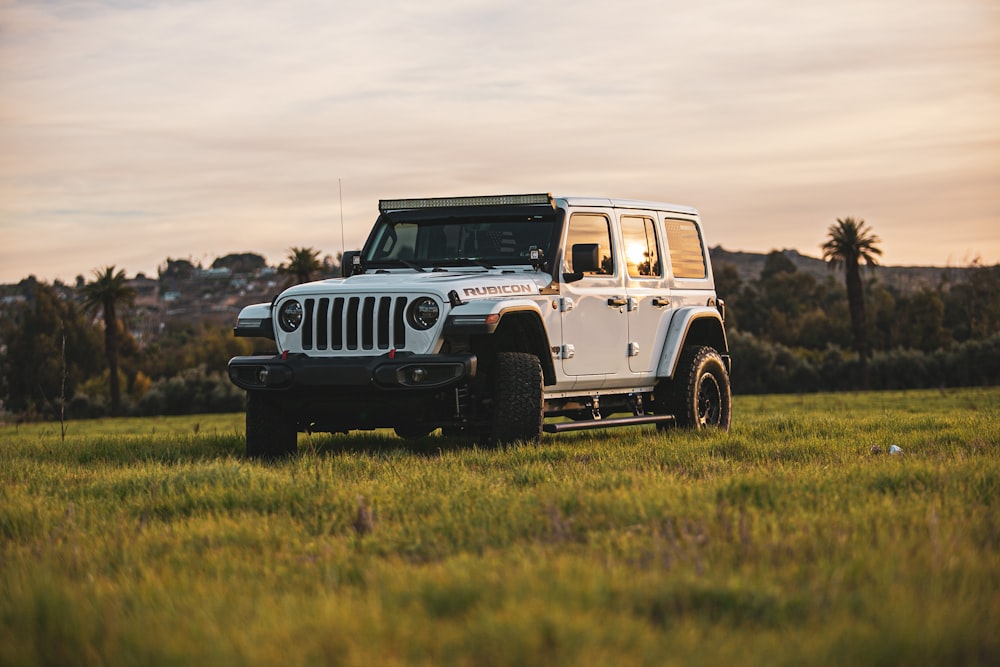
[{"x": 221, "y": 272}]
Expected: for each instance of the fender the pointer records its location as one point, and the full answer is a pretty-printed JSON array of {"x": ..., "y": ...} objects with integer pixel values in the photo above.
[
  {"x": 487, "y": 316},
  {"x": 697, "y": 324},
  {"x": 482, "y": 316}
]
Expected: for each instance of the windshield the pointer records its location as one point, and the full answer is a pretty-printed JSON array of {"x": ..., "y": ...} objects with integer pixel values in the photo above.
[{"x": 459, "y": 241}]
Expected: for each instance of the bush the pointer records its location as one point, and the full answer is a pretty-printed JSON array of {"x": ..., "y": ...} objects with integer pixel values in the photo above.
[
  {"x": 973, "y": 363},
  {"x": 82, "y": 406},
  {"x": 760, "y": 366},
  {"x": 904, "y": 369},
  {"x": 191, "y": 391}
]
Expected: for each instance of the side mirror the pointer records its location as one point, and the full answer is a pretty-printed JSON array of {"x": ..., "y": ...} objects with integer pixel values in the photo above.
[
  {"x": 586, "y": 258},
  {"x": 350, "y": 263}
]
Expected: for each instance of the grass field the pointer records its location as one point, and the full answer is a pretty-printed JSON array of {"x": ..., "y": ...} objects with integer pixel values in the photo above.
[{"x": 784, "y": 542}]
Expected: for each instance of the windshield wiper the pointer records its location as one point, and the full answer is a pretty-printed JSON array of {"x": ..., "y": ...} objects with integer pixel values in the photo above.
[
  {"x": 474, "y": 262},
  {"x": 396, "y": 260}
]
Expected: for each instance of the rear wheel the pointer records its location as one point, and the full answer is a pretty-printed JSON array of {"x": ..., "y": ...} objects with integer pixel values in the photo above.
[
  {"x": 699, "y": 396},
  {"x": 517, "y": 399},
  {"x": 271, "y": 434}
]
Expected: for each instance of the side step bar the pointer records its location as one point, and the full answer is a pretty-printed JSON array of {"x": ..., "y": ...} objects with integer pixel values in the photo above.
[{"x": 586, "y": 424}]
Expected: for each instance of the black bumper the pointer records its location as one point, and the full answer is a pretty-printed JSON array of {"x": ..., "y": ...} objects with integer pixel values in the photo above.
[{"x": 399, "y": 372}]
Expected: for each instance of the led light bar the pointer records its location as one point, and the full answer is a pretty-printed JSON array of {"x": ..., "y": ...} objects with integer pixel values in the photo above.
[{"x": 440, "y": 202}]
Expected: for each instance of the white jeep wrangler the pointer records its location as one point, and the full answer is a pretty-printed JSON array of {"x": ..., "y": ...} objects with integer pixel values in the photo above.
[{"x": 496, "y": 317}]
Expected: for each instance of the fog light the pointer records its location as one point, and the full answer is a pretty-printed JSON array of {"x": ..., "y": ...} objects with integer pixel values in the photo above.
[{"x": 418, "y": 375}]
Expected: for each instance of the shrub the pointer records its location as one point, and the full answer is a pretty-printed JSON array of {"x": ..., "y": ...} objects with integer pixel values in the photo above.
[
  {"x": 762, "y": 367},
  {"x": 82, "y": 406},
  {"x": 192, "y": 391}
]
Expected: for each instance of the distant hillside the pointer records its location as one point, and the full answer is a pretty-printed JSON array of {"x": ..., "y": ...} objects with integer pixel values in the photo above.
[
  {"x": 901, "y": 278},
  {"x": 186, "y": 293}
]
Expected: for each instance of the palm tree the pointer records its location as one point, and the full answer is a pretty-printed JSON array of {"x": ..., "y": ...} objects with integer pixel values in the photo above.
[
  {"x": 105, "y": 293},
  {"x": 302, "y": 265},
  {"x": 850, "y": 242}
]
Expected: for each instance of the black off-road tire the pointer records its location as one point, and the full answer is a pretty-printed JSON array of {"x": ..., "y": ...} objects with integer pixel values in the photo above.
[
  {"x": 271, "y": 434},
  {"x": 517, "y": 409},
  {"x": 699, "y": 396},
  {"x": 413, "y": 431}
]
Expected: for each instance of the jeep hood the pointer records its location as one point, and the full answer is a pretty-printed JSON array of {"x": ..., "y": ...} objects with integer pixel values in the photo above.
[{"x": 468, "y": 285}]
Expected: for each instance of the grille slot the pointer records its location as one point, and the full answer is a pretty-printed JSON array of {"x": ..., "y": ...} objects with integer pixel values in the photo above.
[
  {"x": 322, "y": 333},
  {"x": 354, "y": 323}
]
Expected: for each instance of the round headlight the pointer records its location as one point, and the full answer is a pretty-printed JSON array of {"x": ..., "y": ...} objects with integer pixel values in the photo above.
[
  {"x": 290, "y": 315},
  {"x": 424, "y": 313}
]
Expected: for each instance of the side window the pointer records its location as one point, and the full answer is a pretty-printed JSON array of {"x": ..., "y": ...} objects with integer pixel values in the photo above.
[
  {"x": 591, "y": 228},
  {"x": 642, "y": 254},
  {"x": 686, "y": 255}
]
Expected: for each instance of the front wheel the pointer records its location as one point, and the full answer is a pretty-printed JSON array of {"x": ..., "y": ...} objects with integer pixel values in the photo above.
[
  {"x": 699, "y": 396},
  {"x": 271, "y": 434},
  {"x": 517, "y": 399},
  {"x": 413, "y": 431}
]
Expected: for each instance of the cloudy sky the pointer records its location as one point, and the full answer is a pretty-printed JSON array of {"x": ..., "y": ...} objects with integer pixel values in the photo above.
[{"x": 133, "y": 131}]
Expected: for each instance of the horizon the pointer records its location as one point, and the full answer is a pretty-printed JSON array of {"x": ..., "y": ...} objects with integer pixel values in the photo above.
[
  {"x": 207, "y": 264},
  {"x": 134, "y": 132}
]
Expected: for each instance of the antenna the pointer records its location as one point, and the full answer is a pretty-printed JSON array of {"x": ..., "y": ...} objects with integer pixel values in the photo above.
[{"x": 343, "y": 246}]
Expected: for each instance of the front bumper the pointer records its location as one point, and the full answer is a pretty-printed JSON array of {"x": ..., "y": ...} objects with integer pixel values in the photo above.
[{"x": 400, "y": 371}]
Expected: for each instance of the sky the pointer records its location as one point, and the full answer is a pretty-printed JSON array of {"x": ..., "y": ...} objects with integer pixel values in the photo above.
[{"x": 132, "y": 131}]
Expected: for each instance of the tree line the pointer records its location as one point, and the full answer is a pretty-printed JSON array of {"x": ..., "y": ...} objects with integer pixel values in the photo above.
[
  {"x": 788, "y": 332},
  {"x": 74, "y": 357}
]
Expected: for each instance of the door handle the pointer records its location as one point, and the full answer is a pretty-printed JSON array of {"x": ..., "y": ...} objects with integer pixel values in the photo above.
[
  {"x": 617, "y": 301},
  {"x": 661, "y": 301}
]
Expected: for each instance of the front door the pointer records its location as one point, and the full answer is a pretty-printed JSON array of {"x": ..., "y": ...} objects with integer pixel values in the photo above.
[{"x": 593, "y": 303}]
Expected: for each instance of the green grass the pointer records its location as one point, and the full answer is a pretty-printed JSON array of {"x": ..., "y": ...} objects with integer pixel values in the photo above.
[{"x": 784, "y": 542}]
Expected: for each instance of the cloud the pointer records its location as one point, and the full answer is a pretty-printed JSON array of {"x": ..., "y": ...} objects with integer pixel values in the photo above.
[{"x": 134, "y": 131}]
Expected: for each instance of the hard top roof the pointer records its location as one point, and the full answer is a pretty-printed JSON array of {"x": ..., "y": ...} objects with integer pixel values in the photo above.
[{"x": 387, "y": 205}]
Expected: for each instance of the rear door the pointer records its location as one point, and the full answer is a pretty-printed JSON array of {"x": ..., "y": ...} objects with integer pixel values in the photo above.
[{"x": 647, "y": 289}]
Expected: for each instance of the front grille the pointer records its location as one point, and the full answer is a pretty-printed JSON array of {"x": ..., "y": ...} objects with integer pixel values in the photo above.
[{"x": 354, "y": 323}]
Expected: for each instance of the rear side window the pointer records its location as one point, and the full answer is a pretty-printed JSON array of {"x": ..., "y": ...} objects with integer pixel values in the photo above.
[{"x": 685, "y": 246}]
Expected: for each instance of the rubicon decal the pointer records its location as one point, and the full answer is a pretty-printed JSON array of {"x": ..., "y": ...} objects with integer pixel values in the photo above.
[{"x": 493, "y": 290}]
